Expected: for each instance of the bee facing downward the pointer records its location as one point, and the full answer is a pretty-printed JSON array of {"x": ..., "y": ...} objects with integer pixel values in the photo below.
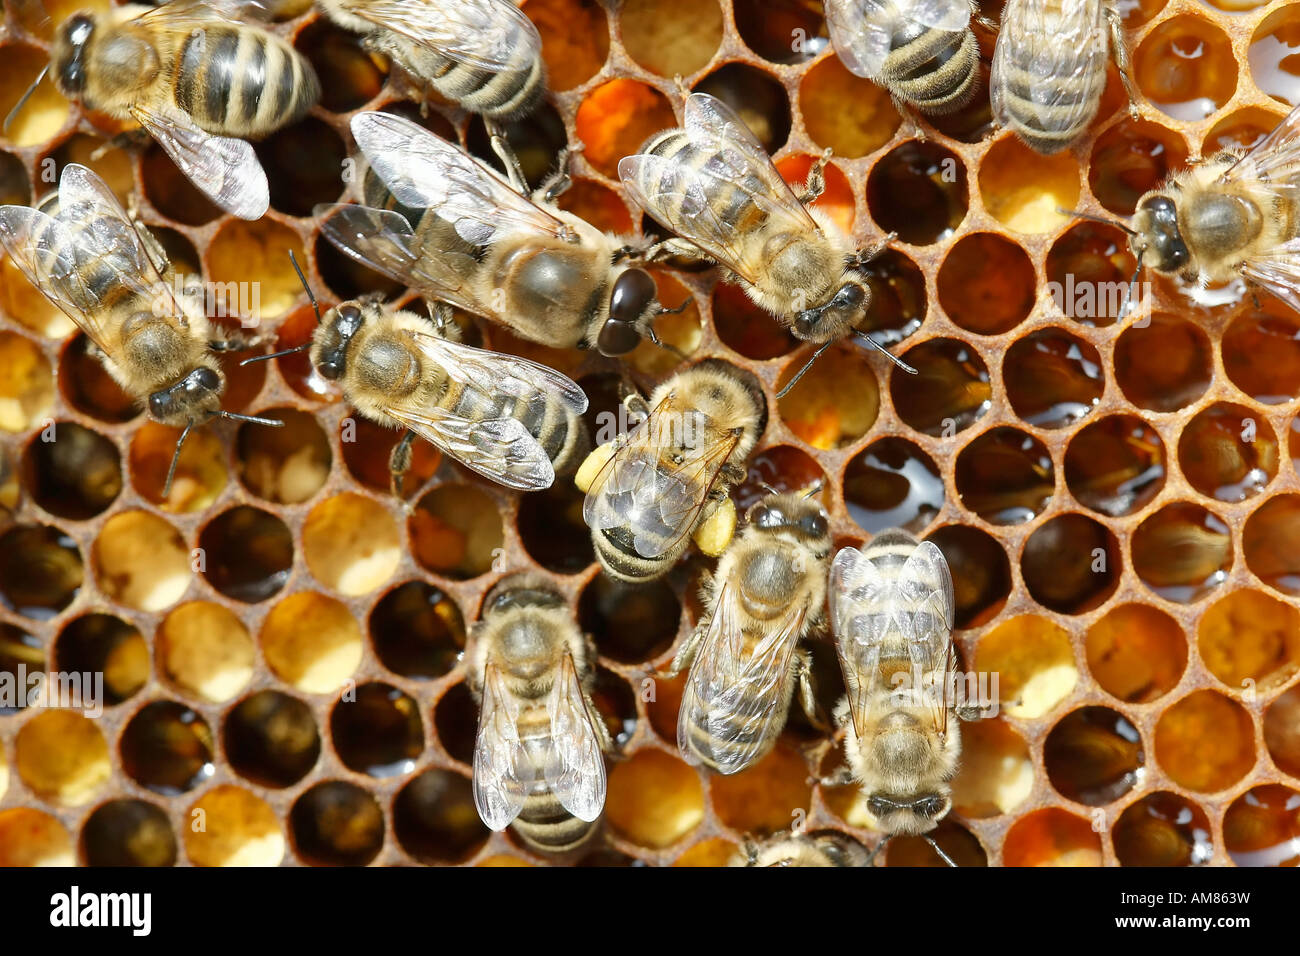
[
  {"x": 193, "y": 77},
  {"x": 92, "y": 262},
  {"x": 711, "y": 182},
  {"x": 507, "y": 418},
  {"x": 800, "y": 849},
  {"x": 539, "y": 755},
  {"x": 767, "y": 595}
]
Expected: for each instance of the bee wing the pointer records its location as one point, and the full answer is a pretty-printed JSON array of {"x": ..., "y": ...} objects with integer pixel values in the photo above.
[
  {"x": 950, "y": 15},
  {"x": 861, "y": 32},
  {"x": 857, "y": 591},
  {"x": 186, "y": 14},
  {"x": 503, "y": 772},
  {"x": 427, "y": 172},
  {"x": 495, "y": 375},
  {"x": 736, "y": 697},
  {"x": 1274, "y": 163},
  {"x": 657, "y": 500},
  {"x": 574, "y": 763},
  {"x": 486, "y": 34},
  {"x": 225, "y": 169},
  {"x": 1278, "y": 270}
]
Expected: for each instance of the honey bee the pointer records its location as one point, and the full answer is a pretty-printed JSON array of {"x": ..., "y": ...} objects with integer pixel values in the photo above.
[
  {"x": 509, "y": 419},
  {"x": 485, "y": 55},
  {"x": 798, "y": 849},
  {"x": 195, "y": 79},
  {"x": 88, "y": 258},
  {"x": 922, "y": 51},
  {"x": 768, "y": 594},
  {"x": 488, "y": 247},
  {"x": 539, "y": 754},
  {"x": 711, "y": 182},
  {"x": 668, "y": 479},
  {"x": 892, "y": 615},
  {"x": 1049, "y": 68}
]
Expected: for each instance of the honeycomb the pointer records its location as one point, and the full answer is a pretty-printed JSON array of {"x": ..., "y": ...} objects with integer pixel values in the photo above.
[{"x": 1119, "y": 502}]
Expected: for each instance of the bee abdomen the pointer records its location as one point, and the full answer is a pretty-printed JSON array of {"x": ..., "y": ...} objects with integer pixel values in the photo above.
[
  {"x": 731, "y": 199},
  {"x": 1048, "y": 128},
  {"x": 544, "y": 823},
  {"x": 504, "y": 95},
  {"x": 936, "y": 71},
  {"x": 719, "y": 745}
]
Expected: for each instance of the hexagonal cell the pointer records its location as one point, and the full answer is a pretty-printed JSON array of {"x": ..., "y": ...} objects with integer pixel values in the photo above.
[
  {"x": 654, "y": 799},
  {"x": 949, "y": 392},
  {"x": 1116, "y": 465},
  {"x": 46, "y": 111},
  {"x": 33, "y": 838},
  {"x": 757, "y": 98},
  {"x": 996, "y": 773},
  {"x": 1162, "y": 829},
  {"x": 836, "y": 402},
  {"x": 919, "y": 191},
  {"x": 167, "y": 748},
  {"x": 142, "y": 561},
  {"x": 378, "y": 733},
  {"x": 629, "y": 623},
  {"x": 1071, "y": 564},
  {"x": 128, "y": 832},
  {"x": 765, "y": 798},
  {"x": 311, "y": 642},
  {"x": 26, "y": 383},
  {"x": 456, "y": 720},
  {"x": 71, "y": 471},
  {"x": 336, "y": 823},
  {"x": 350, "y": 76},
  {"x": 1025, "y": 190},
  {"x": 1227, "y": 452},
  {"x": 644, "y": 110},
  {"x": 781, "y": 31},
  {"x": 200, "y": 476},
  {"x": 435, "y": 821},
  {"x": 575, "y": 39},
  {"x": 284, "y": 465},
  {"x": 86, "y": 385},
  {"x": 1271, "y": 55},
  {"x": 1051, "y": 837},
  {"x": 366, "y": 449},
  {"x": 456, "y": 531},
  {"x": 205, "y": 650},
  {"x": 1243, "y": 129},
  {"x": 302, "y": 164},
  {"x": 21, "y": 655},
  {"x": 255, "y": 256},
  {"x": 845, "y": 113},
  {"x": 247, "y": 553},
  {"x": 959, "y": 844},
  {"x": 1182, "y": 552},
  {"x": 1164, "y": 366},
  {"x": 552, "y": 529},
  {"x": 898, "y": 302},
  {"x": 1053, "y": 378},
  {"x": 1261, "y": 354},
  {"x": 1282, "y": 731},
  {"x": 1185, "y": 68},
  {"x": 986, "y": 284},
  {"x": 239, "y": 829},
  {"x": 62, "y": 757},
  {"x": 536, "y": 139},
  {"x": 1205, "y": 742},
  {"x": 1262, "y": 828},
  {"x": 1130, "y": 159},
  {"x": 15, "y": 185},
  {"x": 40, "y": 571},
  {"x": 1093, "y": 756},
  {"x": 670, "y": 37},
  {"x": 1249, "y": 640},
  {"x": 1268, "y": 543},
  {"x": 753, "y": 332},
  {"x": 271, "y": 739},
  {"x": 1136, "y": 652},
  {"x": 1005, "y": 476},
  {"x": 892, "y": 483},
  {"x": 171, "y": 193},
  {"x": 714, "y": 852},
  {"x": 351, "y": 543},
  {"x": 28, "y": 307},
  {"x": 417, "y": 631},
  {"x": 1089, "y": 270},
  {"x": 1034, "y": 663},
  {"x": 101, "y": 644}
]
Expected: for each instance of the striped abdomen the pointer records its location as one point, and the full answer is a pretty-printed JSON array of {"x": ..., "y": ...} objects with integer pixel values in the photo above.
[
  {"x": 501, "y": 95},
  {"x": 555, "y": 426},
  {"x": 936, "y": 71},
  {"x": 543, "y": 821},
  {"x": 237, "y": 81},
  {"x": 1047, "y": 126}
]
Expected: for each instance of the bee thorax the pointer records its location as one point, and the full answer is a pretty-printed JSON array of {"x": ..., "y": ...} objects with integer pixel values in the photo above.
[
  {"x": 387, "y": 365},
  {"x": 1220, "y": 223}
]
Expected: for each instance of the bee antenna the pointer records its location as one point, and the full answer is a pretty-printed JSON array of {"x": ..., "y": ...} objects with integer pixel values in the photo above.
[
  {"x": 1101, "y": 219},
  {"x": 1132, "y": 285},
  {"x": 271, "y": 355},
  {"x": 176, "y": 457},
  {"x": 305, "y": 287},
  {"x": 814, "y": 489},
  {"x": 679, "y": 309},
  {"x": 768, "y": 488},
  {"x": 25, "y": 97},
  {"x": 255, "y": 419},
  {"x": 939, "y": 850},
  {"x": 803, "y": 371},
  {"x": 868, "y": 340},
  {"x": 654, "y": 337}
]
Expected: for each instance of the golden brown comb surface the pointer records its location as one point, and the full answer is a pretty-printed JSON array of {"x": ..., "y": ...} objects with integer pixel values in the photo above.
[{"x": 1121, "y": 509}]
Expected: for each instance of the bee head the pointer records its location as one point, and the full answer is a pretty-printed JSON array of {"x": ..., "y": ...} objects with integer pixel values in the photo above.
[
  {"x": 337, "y": 329},
  {"x": 801, "y": 516},
  {"x": 833, "y": 318},
  {"x": 1155, "y": 239},
  {"x": 194, "y": 398},
  {"x": 919, "y": 814},
  {"x": 69, "y": 55},
  {"x": 632, "y": 303}
]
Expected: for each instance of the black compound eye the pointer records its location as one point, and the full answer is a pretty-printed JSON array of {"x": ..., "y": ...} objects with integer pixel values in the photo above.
[
  {"x": 814, "y": 525},
  {"x": 617, "y": 338},
  {"x": 633, "y": 292},
  {"x": 768, "y": 516},
  {"x": 930, "y": 806},
  {"x": 850, "y": 296},
  {"x": 205, "y": 379},
  {"x": 160, "y": 404},
  {"x": 350, "y": 316},
  {"x": 879, "y": 806}
]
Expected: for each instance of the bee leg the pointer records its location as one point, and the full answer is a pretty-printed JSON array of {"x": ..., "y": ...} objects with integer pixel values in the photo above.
[
  {"x": 440, "y": 313},
  {"x": 1123, "y": 62},
  {"x": 559, "y": 181},
  {"x": 129, "y": 139},
  {"x": 399, "y": 463},
  {"x": 593, "y": 464},
  {"x": 863, "y": 256},
  {"x": 234, "y": 341},
  {"x": 635, "y": 404},
  {"x": 912, "y": 117},
  {"x": 505, "y": 152},
  {"x": 685, "y": 655},
  {"x": 675, "y": 247},
  {"x": 807, "y": 694},
  {"x": 815, "y": 184}
]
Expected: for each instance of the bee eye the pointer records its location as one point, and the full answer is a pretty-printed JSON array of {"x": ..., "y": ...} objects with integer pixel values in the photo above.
[
  {"x": 765, "y": 516},
  {"x": 350, "y": 317},
  {"x": 850, "y": 296},
  {"x": 879, "y": 806},
  {"x": 633, "y": 292},
  {"x": 930, "y": 806},
  {"x": 204, "y": 379},
  {"x": 617, "y": 337},
  {"x": 814, "y": 525}
]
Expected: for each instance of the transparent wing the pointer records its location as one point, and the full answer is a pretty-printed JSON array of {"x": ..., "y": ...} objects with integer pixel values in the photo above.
[
  {"x": 503, "y": 773},
  {"x": 861, "y": 32},
  {"x": 496, "y": 376},
  {"x": 427, "y": 172},
  {"x": 574, "y": 762},
  {"x": 1277, "y": 270},
  {"x": 1275, "y": 162},
  {"x": 188, "y": 14},
  {"x": 950, "y": 15},
  {"x": 922, "y": 605},
  {"x": 857, "y": 592},
  {"x": 734, "y": 695},
  {"x": 1052, "y": 72},
  {"x": 225, "y": 169},
  {"x": 487, "y": 34}
]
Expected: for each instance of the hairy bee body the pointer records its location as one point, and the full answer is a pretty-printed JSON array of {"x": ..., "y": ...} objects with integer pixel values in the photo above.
[
  {"x": 788, "y": 849},
  {"x": 936, "y": 71}
]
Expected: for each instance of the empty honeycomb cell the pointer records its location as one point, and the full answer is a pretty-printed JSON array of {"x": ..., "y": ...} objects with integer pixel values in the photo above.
[
  {"x": 850, "y": 115},
  {"x": 113, "y": 165},
  {"x": 15, "y": 185},
  {"x": 1033, "y": 661},
  {"x": 781, "y": 31},
  {"x": 836, "y": 199},
  {"x": 996, "y": 773},
  {"x": 1185, "y": 68},
  {"x": 311, "y": 642},
  {"x": 62, "y": 757},
  {"x": 366, "y": 450},
  {"x": 654, "y": 799},
  {"x": 1053, "y": 378},
  {"x": 1093, "y": 756},
  {"x": 71, "y": 471},
  {"x": 200, "y": 475},
  {"x": 753, "y": 332},
  {"x": 782, "y": 467},
  {"x": 26, "y": 383},
  {"x": 40, "y": 570},
  {"x": 1281, "y": 732},
  {"x": 417, "y": 630},
  {"x": 757, "y": 98},
  {"x": 1115, "y": 465},
  {"x": 616, "y": 702},
  {"x": 629, "y": 623},
  {"x": 171, "y": 192},
  {"x": 1262, "y": 827},
  {"x": 246, "y": 553},
  {"x": 670, "y": 37},
  {"x": 228, "y": 826},
  {"x": 1272, "y": 58},
  {"x": 959, "y": 844},
  {"x": 1130, "y": 159},
  {"x": 1205, "y": 742},
  {"x": 255, "y": 257},
  {"x": 101, "y": 644},
  {"x": 598, "y": 205},
  {"x": 304, "y": 166},
  {"x": 898, "y": 303},
  {"x": 351, "y": 544},
  {"x": 456, "y": 531},
  {"x": 1163, "y": 366},
  {"x": 29, "y": 308},
  {"x": 919, "y": 191},
  {"x": 1261, "y": 354},
  {"x": 1025, "y": 190},
  {"x": 536, "y": 139},
  {"x": 1162, "y": 829},
  {"x": 1089, "y": 270},
  {"x": 346, "y": 278},
  {"x": 1051, "y": 837},
  {"x": 575, "y": 39},
  {"x": 986, "y": 284},
  {"x": 980, "y": 570},
  {"x": 271, "y": 739},
  {"x": 1268, "y": 543},
  {"x": 1182, "y": 552},
  {"x": 350, "y": 76},
  {"x": 771, "y": 795},
  {"x": 142, "y": 561},
  {"x": 21, "y": 656},
  {"x": 1005, "y": 476},
  {"x": 552, "y": 529},
  {"x": 836, "y": 402},
  {"x": 1071, "y": 564},
  {"x": 33, "y": 838},
  {"x": 1136, "y": 652},
  {"x": 434, "y": 818},
  {"x": 377, "y": 731},
  {"x": 1227, "y": 452},
  {"x": 950, "y": 391},
  {"x": 679, "y": 333},
  {"x": 297, "y": 370},
  {"x": 128, "y": 832},
  {"x": 1250, "y": 640},
  {"x": 167, "y": 748},
  {"x": 714, "y": 852},
  {"x": 205, "y": 650},
  {"x": 456, "y": 720},
  {"x": 892, "y": 483},
  {"x": 45, "y": 113},
  {"x": 86, "y": 385},
  {"x": 1243, "y": 129},
  {"x": 616, "y": 118}
]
